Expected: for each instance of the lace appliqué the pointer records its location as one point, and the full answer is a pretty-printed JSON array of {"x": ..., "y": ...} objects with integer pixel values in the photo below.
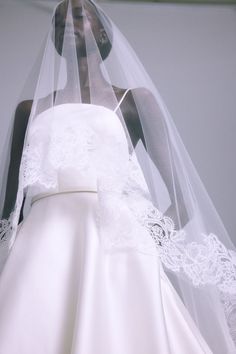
[
  {"x": 208, "y": 262},
  {"x": 118, "y": 228},
  {"x": 42, "y": 158},
  {"x": 69, "y": 148},
  {"x": 6, "y": 231},
  {"x": 229, "y": 304},
  {"x": 6, "y": 228},
  {"x": 34, "y": 171}
]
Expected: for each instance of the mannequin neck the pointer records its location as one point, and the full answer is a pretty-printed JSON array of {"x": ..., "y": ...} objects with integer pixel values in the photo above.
[{"x": 89, "y": 72}]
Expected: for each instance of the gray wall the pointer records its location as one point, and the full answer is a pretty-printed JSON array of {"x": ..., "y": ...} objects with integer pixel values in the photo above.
[{"x": 190, "y": 52}]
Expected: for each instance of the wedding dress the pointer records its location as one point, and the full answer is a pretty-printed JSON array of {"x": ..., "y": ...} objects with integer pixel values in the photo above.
[{"x": 60, "y": 293}]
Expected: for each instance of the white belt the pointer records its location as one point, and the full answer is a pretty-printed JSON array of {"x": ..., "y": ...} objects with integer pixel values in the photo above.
[{"x": 80, "y": 190}]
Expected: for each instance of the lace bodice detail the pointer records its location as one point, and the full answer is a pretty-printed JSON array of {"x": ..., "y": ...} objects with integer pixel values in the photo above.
[{"x": 74, "y": 144}]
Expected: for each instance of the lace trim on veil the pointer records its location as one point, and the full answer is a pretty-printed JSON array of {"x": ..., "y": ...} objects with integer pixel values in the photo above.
[{"x": 207, "y": 263}]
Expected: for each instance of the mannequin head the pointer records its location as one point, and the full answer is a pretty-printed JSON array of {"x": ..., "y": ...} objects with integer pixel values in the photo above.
[{"x": 86, "y": 20}]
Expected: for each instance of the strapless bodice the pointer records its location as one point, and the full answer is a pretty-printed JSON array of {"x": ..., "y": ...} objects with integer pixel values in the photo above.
[{"x": 74, "y": 145}]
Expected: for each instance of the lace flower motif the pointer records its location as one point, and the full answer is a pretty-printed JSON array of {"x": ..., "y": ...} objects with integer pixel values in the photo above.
[
  {"x": 6, "y": 228},
  {"x": 229, "y": 304},
  {"x": 6, "y": 232},
  {"x": 208, "y": 262}
]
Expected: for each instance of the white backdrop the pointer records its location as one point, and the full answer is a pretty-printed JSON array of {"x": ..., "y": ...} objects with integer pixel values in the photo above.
[{"x": 190, "y": 52}]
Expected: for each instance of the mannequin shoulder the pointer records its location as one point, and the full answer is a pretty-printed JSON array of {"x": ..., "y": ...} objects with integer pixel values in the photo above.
[{"x": 24, "y": 108}]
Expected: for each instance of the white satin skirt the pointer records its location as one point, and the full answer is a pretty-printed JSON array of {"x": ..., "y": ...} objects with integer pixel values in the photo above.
[{"x": 60, "y": 293}]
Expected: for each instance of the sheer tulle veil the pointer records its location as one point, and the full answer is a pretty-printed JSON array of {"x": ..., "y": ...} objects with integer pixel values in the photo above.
[{"x": 85, "y": 59}]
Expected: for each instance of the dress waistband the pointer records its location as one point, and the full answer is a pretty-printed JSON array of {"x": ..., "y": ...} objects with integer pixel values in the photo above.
[{"x": 79, "y": 190}]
